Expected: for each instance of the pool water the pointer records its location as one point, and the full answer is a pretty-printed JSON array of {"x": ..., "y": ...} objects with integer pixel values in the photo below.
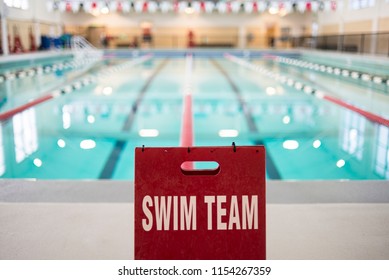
[{"x": 91, "y": 132}]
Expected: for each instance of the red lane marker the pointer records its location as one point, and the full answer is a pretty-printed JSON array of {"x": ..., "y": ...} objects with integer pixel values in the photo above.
[
  {"x": 366, "y": 114},
  {"x": 187, "y": 127},
  {"x": 186, "y": 139},
  {"x": 187, "y": 123},
  {"x": 269, "y": 56},
  {"x": 8, "y": 114}
]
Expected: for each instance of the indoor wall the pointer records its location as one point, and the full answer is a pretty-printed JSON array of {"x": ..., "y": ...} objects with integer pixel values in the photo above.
[
  {"x": 171, "y": 30},
  {"x": 36, "y": 20},
  {"x": 346, "y": 20},
  {"x": 210, "y": 30}
]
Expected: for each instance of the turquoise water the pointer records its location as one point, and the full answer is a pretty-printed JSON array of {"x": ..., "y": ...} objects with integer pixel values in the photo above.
[{"x": 91, "y": 133}]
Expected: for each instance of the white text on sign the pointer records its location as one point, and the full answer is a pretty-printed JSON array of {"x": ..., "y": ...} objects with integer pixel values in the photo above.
[{"x": 179, "y": 212}]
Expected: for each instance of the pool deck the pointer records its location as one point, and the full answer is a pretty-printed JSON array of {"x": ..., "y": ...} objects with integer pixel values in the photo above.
[
  {"x": 33, "y": 56},
  {"x": 94, "y": 220}
]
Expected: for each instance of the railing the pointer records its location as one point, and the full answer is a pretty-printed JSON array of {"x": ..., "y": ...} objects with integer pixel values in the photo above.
[
  {"x": 175, "y": 41},
  {"x": 372, "y": 43},
  {"x": 366, "y": 43},
  {"x": 83, "y": 49}
]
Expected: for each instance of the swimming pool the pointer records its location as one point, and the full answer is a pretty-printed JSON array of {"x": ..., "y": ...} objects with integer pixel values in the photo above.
[{"x": 100, "y": 111}]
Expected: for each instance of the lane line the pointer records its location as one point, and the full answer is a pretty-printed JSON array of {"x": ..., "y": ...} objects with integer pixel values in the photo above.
[
  {"x": 242, "y": 103},
  {"x": 113, "y": 159},
  {"x": 271, "y": 168}
]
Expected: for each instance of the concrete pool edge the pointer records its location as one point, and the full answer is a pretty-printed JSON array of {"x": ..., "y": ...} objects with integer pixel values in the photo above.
[
  {"x": 105, "y": 231},
  {"x": 93, "y": 219},
  {"x": 35, "y": 56},
  {"x": 110, "y": 191}
]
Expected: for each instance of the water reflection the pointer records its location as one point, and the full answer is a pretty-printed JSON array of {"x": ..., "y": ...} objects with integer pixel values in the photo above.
[
  {"x": 316, "y": 144},
  {"x": 25, "y": 134},
  {"x": 299, "y": 133},
  {"x": 2, "y": 158},
  {"x": 61, "y": 143},
  {"x": 87, "y": 144},
  {"x": 382, "y": 151},
  {"x": 353, "y": 133}
]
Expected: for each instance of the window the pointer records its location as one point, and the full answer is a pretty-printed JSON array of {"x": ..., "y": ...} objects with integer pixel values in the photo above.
[
  {"x": 361, "y": 4},
  {"x": 18, "y": 4}
]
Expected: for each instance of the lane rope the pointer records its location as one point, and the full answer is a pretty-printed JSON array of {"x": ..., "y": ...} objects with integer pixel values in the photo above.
[
  {"x": 337, "y": 71},
  {"x": 76, "y": 85},
  {"x": 307, "y": 89},
  {"x": 44, "y": 69},
  {"x": 187, "y": 137}
]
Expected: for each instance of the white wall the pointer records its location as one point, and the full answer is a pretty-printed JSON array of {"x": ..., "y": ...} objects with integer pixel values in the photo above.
[
  {"x": 295, "y": 21},
  {"x": 340, "y": 19},
  {"x": 243, "y": 23},
  {"x": 34, "y": 17},
  {"x": 37, "y": 11},
  {"x": 346, "y": 15}
]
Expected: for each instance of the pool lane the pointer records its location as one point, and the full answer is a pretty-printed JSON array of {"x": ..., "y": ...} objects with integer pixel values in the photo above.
[
  {"x": 367, "y": 97},
  {"x": 215, "y": 108},
  {"x": 362, "y": 78},
  {"x": 18, "y": 91},
  {"x": 306, "y": 137},
  {"x": 75, "y": 136},
  {"x": 72, "y": 137},
  {"x": 315, "y": 90},
  {"x": 159, "y": 118},
  {"x": 113, "y": 159},
  {"x": 14, "y": 101},
  {"x": 242, "y": 103},
  {"x": 271, "y": 168}
]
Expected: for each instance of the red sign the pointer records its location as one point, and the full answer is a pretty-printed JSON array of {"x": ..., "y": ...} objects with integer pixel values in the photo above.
[{"x": 200, "y": 214}]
